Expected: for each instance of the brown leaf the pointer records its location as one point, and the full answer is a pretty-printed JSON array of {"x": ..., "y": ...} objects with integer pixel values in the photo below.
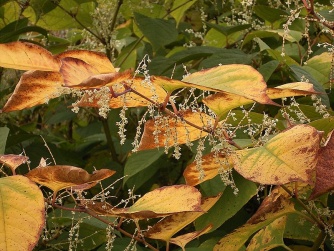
[
  {"x": 74, "y": 71},
  {"x": 209, "y": 168},
  {"x": 27, "y": 56},
  {"x": 96, "y": 59},
  {"x": 13, "y": 161},
  {"x": 170, "y": 131},
  {"x": 157, "y": 203},
  {"x": 61, "y": 177},
  {"x": 34, "y": 88},
  {"x": 325, "y": 169},
  {"x": 170, "y": 225}
]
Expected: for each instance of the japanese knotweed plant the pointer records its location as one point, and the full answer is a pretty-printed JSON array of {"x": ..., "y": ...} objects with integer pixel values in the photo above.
[{"x": 288, "y": 152}]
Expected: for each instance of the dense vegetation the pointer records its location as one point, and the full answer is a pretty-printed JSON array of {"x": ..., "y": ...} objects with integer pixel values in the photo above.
[{"x": 166, "y": 125}]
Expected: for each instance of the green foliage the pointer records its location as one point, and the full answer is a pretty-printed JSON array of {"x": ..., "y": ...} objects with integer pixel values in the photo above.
[{"x": 223, "y": 107}]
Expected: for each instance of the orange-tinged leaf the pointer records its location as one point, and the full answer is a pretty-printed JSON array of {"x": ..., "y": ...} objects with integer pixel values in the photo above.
[
  {"x": 325, "y": 169},
  {"x": 34, "y": 88},
  {"x": 96, "y": 59},
  {"x": 210, "y": 167},
  {"x": 74, "y": 71},
  {"x": 107, "y": 79},
  {"x": 13, "y": 161},
  {"x": 60, "y": 177},
  {"x": 222, "y": 103},
  {"x": 129, "y": 99},
  {"x": 183, "y": 240},
  {"x": 157, "y": 203},
  {"x": 22, "y": 213},
  {"x": 289, "y": 156},
  {"x": 27, "y": 56},
  {"x": 168, "y": 131},
  {"x": 273, "y": 207},
  {"x": 170, "y": 225},
  {"x": 242, "y": 80}
]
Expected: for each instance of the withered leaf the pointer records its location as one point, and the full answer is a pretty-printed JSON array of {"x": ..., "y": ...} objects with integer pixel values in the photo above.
[
  {"x": 325, "y": 169},
  {"x": 13, "y": 160},
  {"x": 61, "y": 177}
]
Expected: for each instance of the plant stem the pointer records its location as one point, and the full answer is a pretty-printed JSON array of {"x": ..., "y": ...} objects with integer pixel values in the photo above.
[
  {"x": 110, "y": 143},
  {"x": 318, "y": 242}
]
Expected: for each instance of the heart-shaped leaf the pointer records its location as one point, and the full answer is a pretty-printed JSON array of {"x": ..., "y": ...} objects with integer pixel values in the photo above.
[
  {"x": 157, "y": 203},
  {"x": 289, "y": 156},
  {"x": 22, "y": 213}
]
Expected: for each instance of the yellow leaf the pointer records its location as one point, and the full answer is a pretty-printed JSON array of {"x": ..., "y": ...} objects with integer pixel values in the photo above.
[
  {"x": 289, "y": 156},
  {"x": 242, "y": 80},
  {"x": 22, "y": 213},
  {"x": 183, "y": 240},
  {"x": 13, "y": 161},
  {"x": 60, "y": 177},
  {"x": 170, "y": 131},
  {"x": 96, "y": 59},
  {"x": 273, "y": 207},
  {"x": 324, "y": 170},
  {"x": 222, "y": 103},
  {"x": 27, "y": 56},
  {"x": 209, "y": 168},
  {"x": 129, "y": 99},
  {"x": 157, "y": 203},
  {"x": 170, "y": 225},
  {"x": 34, "y": 88}
]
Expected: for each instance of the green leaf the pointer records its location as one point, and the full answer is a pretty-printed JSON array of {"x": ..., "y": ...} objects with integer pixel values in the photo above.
[
  {"x": 180, "y": 7},
  {"x": 300, "y": 73},
  {"x": 227, "y": 56},
  {"x": 324, "y": 124},
  {"x": 269, "y": 14},
  {"x": 228, "y": 30},
  {"x": 268, "y": 69},
  {"x": 159, "y": 32},
  {"x": 228, "y": 204},
  {"x": 140, "y": 167},
  {"x": 320, "y": 67},
  {"x": 3, "y": 138}
]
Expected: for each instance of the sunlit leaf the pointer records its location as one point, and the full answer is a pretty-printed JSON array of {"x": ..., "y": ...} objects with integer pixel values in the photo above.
[
  {"x": 183, "y": 240},
  {"x": 13, "y": 161},
  {"x": 157, "y": 203},
  {"x": 242, "y": 80},
  {"x": 273, "y": 207},
  {"x": 74, "y": 71},
  {"x": 270, "y": 237},
  {"x": 96, "y": 59},
  {"x": 324, "y": 170},
  {"x": 22, "y": 213},
  {"x": 60, "y": 177},
  {"x": 126, "y": 97},
  {"x": 27, "y": 56},
  {"x": 287, "y": 157},
  {"x": 34, "y": 88},
  {"x": 170, "y": 225},
  {"x": 168, "y": 131},
  {"x": 209, "y": 168},
  {"x": 320, "y": 66},
  {"x": 222, "y": 103}
]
